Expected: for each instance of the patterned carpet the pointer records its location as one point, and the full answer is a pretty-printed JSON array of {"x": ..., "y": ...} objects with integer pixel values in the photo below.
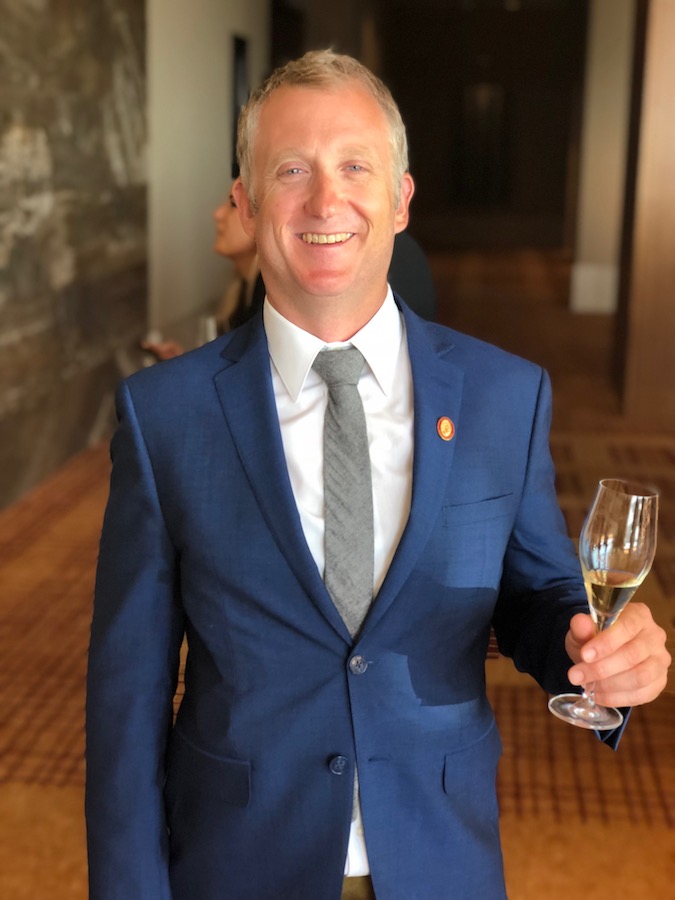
[
  {"x": 552, "y": 771},
  {"x": 48, "y": 548}
]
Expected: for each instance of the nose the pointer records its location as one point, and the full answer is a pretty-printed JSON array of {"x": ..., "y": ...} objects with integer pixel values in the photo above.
[
  {"x": 220, "y": 212},
  {"x": 325, "y": 196}
]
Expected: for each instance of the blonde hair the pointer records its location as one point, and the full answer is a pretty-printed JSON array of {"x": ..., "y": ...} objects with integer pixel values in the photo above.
[{"x": 322, "y": 68}]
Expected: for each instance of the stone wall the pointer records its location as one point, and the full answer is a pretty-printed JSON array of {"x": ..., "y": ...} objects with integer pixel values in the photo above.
[{"x": 73, "y": 232}]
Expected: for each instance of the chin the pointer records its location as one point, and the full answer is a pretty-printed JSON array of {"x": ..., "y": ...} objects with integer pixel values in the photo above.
[{"x": 326, "y": 288}]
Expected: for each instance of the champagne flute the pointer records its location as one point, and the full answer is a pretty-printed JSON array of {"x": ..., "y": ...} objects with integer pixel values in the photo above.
[{"x": 616, "y": 550}]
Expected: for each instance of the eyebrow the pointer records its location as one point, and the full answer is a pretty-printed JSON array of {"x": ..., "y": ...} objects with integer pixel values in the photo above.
[{"x": 348, "y": 152}]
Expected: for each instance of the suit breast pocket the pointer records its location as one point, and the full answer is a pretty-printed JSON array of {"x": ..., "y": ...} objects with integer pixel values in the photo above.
[{"x": 471, "y": 542}]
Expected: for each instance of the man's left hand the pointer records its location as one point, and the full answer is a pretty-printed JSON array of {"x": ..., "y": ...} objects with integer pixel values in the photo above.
[{"x": 627, "y": 664}]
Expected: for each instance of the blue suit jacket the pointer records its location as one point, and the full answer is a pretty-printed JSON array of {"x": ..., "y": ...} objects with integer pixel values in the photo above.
[{"x": 248, "y": 796}]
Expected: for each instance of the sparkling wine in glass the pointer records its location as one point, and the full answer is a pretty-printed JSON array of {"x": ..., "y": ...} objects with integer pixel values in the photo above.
[{"x": 616, "y": 550}]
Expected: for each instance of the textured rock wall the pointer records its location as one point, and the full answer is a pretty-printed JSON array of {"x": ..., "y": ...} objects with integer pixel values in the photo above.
[{"x": 73, "y": 232}]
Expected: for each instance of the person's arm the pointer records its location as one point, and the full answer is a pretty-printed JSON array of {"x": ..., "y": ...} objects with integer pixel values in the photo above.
[
  {"x": 134, "y": 654},
  {"x": 542, "y": 619},
  {"x": 162, "y": 350},
  {"x": 542, "y": 586}
]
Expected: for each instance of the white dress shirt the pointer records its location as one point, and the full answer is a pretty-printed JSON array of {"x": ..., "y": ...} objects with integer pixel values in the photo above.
[{"x": 386, "y": 390}]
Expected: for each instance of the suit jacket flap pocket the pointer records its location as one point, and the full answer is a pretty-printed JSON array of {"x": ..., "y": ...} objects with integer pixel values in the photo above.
[{"x": 199, "y": 773}]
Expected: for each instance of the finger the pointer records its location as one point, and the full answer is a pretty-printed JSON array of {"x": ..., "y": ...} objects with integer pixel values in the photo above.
[
  {"x": 583, "y": 644},
  {"x": 625, "y": 658},
  {"x": 621, "y": 648},
  {"x": 581, "y": 630},
  {"x": 630, "y": 686},
  {"x": 640, "y": 685},
  {"x": 636, "y": 619}
]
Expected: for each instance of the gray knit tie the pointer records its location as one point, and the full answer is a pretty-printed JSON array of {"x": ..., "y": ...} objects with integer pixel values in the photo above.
[{"x": 348, "y": 493}]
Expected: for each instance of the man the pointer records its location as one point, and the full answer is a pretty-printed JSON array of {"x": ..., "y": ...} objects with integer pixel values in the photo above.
[{"x": 215, "y": 529}]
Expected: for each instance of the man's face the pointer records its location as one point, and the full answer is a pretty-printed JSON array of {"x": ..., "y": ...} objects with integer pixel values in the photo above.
[{"x": 326, "y": 213}]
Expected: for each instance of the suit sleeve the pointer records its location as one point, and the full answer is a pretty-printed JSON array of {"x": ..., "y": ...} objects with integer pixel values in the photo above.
[
  {"x": 542, "y": 585},
  {"x": 134, "y": 655}
]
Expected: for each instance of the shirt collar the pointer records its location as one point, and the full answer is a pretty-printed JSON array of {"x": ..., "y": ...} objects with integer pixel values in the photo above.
[{"x": 293, "y": 350}]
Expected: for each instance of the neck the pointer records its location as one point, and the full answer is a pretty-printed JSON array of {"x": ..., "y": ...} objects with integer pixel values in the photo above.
[{"x": 329, "y": 319}]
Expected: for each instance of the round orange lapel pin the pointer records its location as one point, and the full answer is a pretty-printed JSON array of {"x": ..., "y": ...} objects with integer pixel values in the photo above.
[{"x": 445, "y": 428}]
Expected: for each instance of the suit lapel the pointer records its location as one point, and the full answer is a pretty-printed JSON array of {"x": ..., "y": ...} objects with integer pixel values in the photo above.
[
  {"x": 246, "y": 396},
  {"x": 244, "y": 388},
  {"x": 437, "y": 393}
]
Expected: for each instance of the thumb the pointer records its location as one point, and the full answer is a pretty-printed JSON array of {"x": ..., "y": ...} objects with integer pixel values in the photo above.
[{"x": 582, "y": 629}]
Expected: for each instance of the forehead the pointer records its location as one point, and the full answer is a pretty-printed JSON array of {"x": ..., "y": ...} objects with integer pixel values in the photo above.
[{"x": 321, "y": 117}]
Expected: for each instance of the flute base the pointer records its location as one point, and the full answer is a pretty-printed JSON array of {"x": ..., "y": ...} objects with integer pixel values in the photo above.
[{"x": 579, "y": 711}]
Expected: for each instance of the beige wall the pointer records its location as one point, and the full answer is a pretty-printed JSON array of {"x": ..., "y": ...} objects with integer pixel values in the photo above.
[
  {"x": 649, "y": 372},
  {"x": 190, "y": 51},
  {"x": 604, "y": 141}
]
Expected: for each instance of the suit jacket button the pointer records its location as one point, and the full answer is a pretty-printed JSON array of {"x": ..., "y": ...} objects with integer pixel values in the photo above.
[
  {"x": 338, "y": 764},
  {"x": 358, "y": 665}
]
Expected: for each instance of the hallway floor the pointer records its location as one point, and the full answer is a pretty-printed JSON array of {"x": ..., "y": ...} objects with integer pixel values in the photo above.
[{"x": 567, "y": 802}]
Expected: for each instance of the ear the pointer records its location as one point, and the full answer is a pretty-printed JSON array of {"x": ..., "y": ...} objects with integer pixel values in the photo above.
[
  {"x": 402, "y": 210},
  {"x": 244, "y": 207}
]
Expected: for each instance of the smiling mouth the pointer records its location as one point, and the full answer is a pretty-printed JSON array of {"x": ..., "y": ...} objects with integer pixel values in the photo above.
[{"x": 339, "y": 238}]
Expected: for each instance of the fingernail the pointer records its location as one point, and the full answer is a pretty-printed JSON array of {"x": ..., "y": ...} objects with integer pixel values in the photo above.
[{"x": 588, "y": 654}]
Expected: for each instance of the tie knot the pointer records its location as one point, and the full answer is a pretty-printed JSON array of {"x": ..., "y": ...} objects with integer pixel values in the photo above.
[{"x": 339, "y": 366}]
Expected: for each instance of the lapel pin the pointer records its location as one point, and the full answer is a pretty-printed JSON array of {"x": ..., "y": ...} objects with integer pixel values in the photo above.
[{"x": 445, "y": 428}]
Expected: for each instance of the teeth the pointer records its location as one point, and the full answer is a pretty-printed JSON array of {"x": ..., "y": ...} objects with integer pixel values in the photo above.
[{"x": 310, "y": 238}]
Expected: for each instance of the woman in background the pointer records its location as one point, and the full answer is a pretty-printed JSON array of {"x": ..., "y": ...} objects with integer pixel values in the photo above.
[{"x": 245, "y": 293}]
